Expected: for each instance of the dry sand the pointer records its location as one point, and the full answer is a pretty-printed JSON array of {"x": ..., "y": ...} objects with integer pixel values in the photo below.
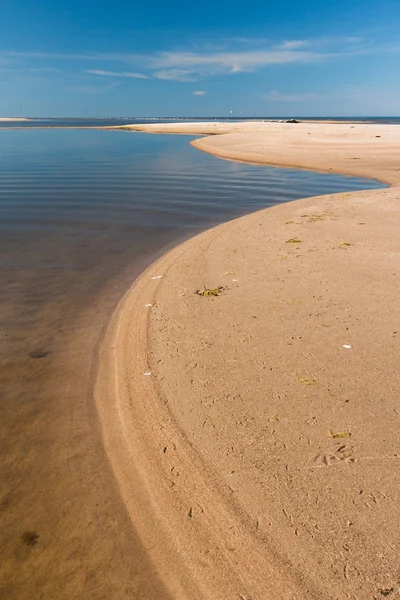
[
  {"x": 13, "y": 119},
  {"x": 255, "y": 435}
]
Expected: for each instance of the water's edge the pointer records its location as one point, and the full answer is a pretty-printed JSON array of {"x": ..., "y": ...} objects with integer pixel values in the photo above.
[{"x": 82, "y": 216}]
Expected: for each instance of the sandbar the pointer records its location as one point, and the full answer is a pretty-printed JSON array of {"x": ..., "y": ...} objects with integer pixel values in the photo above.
[{"x": 255, "y": 434}]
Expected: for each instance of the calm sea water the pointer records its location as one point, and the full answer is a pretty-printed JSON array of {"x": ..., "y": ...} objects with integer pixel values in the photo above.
[
  {"x": 118, "y": 121},
  {"x": 81, "y": 213}
]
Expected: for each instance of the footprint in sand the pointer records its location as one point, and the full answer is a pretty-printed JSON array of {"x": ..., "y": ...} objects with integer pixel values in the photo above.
[
  {"x": 30, "y": 538},
  {"x": 344, "y": 453}
]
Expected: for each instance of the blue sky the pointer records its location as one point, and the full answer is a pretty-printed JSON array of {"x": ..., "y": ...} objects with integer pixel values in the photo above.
[{"x": 208, "y": 58}]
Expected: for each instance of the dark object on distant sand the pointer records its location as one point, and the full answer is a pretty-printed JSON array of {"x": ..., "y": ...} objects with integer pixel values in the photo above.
[
  {"x": 292, "y": 121},
  {"x": 30, "y": 538},
  {"x": 39, "y": 353}
]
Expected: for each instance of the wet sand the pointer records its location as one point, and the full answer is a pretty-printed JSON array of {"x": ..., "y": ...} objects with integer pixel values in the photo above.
[{"x": 254, "y": 435}]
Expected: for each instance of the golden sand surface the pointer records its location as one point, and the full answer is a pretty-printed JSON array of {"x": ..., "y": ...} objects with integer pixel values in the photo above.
[{"x": 254, "y": 434}]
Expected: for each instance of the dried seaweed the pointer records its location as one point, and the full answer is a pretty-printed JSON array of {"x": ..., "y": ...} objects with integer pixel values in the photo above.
[
  {"x": 339, "y": 434},
  {"x": 207, "y": 292},
  {"x": 308, "y": 381}
]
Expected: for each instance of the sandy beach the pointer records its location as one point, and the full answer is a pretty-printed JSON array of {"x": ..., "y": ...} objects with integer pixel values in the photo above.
[{"x": 254, "y": 434}]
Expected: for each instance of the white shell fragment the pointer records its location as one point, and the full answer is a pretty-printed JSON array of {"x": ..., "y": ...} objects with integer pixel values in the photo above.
[
  {"x": 157, "y": 277},
  {"x": 346, "y": 346},
  {"x": 148, "y": 305},
  {"x": 147, "y": 373}
]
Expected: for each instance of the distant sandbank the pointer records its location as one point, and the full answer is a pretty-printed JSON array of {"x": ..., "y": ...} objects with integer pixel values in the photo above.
[
  {"x": 254, "y": 435},
  {"x": 13, "y": 119},
  {"x": 363, "y": 150}
]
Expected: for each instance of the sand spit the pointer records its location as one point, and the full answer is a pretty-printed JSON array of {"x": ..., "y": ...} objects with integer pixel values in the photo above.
[
  {"x": 2, "y": 119},
  {"x": 363, "y": 150},
  {"x": 254, "y": 435}
]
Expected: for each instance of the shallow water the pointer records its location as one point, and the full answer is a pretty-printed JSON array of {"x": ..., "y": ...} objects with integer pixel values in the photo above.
[{"x": 81, "y": 213}]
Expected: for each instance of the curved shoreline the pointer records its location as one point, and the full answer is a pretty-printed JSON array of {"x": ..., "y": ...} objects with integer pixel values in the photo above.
[
  {"x": 355, "y": 149},
  {"x": 205, "y": 529},
  {"x": 176, "y": 544}
]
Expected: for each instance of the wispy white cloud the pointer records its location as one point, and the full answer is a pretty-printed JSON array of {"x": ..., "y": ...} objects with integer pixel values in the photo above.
[
  {"x": 205, "y": 60},
  {"x": 230, "y": 62},
  {"x": 175, "y": 75},
  {"x": 111, "y": 85},
  {"x": 294, "y": 44},
  {"x": 116, "y": 74},
  {"x": 249, "y": 41},
  {"x": 278, "y": 97},
  {"x": 199, "y": 93}
]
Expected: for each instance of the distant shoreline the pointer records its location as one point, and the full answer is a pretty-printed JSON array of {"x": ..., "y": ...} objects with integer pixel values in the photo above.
[
  {"x": 7, "y": 119},
  {"x": 125, "y": 122}
]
